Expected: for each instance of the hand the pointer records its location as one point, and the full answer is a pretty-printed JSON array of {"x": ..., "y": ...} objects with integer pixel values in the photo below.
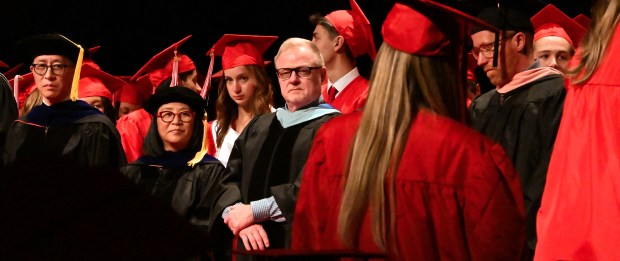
[
  {"x": 254, "y": 237},
  {"x": 239, "y": 217}
]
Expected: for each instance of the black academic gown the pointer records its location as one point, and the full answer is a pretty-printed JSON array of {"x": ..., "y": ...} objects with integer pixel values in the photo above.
[
  {"x": 72, "y": 131},
  {"x": 526, "y": 125},
  {"x": 190, "y": 191},
  {"x": 267, "y": 160},
  {"x": 8, "y": 110}
]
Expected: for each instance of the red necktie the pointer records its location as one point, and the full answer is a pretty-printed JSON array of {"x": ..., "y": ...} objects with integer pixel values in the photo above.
[{"x": 331, "y": 94}]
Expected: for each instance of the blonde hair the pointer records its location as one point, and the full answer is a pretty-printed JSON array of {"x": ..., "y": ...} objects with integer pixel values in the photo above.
[
  {"x": 605, "y": 18},
  {"x": 300, "y": 42},
  {"x": 33, "y": 99},
  {"x": 400, "y": 85}
]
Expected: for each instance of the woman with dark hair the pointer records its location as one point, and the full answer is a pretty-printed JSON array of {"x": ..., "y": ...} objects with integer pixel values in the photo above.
[
  {"x": 159, "y": 70},
  {"x": 174, "y": 137},
  {"x": 244, "y": 91},
  {"x": 406, "y": 177}
]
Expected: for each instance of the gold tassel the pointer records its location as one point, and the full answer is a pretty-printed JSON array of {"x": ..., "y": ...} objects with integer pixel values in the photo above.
[
  {"x": 203, "y": 148},
  {"x": 78, "y": 69}
]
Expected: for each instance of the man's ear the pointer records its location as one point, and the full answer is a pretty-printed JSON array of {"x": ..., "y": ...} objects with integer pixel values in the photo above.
[
  {"x": 338, "y": 43},
  {"x": 518, "y": 41},
  {"x": 323, "y": 74}
]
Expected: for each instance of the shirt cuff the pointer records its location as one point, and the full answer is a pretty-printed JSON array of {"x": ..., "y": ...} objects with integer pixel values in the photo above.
[
  {"x": 227, "y": 210},
  {"x": 266, "y": 209}
]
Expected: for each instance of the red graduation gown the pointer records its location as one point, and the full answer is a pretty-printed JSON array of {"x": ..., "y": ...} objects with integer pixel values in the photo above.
[
  {"x": 353, "y": 97},
  {"x": 133, "y": 128},
  {"x": 579, "y": 218},
  {"x": 458, "y": 196}
]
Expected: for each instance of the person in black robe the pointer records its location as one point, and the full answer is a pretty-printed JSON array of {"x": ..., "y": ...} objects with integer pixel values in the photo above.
[
  {"x": 264, "y": 169},
  {"x": 61, "y": 127},
  {"x": 173, "y": 139},
  {"x": 8, "y": 109},
  {"x": 523, "y": 112}
]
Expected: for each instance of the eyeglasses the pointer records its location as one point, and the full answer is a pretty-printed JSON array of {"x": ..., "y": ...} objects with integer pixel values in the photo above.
[
  {"x": 168, "y": 116},
  {"x": 302, "y": 72},
  {"x": 41, "y": 69},
  {"x": 485, "y": 50}
]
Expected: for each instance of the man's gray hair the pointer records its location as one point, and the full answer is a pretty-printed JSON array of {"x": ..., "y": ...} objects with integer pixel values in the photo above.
[{"x": 295, "y": 42}]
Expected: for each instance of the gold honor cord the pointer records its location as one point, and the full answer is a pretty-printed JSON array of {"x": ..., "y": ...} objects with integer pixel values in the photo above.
[
  {"x": 204, "y": 146},
  {"x": 78, "y": 69}
]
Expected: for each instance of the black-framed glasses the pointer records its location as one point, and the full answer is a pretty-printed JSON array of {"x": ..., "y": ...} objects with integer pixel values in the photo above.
[
  {"x": 168, "y": 116},
  {"x": 41, "y": 69},
  {"x": 302, "y": 72}
]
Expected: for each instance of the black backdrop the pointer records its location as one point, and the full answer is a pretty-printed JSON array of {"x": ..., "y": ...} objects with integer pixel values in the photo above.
[{"x": 131, "y": 32}]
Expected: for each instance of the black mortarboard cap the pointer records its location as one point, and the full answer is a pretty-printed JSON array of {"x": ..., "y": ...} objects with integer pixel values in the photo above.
[
  {"x": 505, "y": 19},
  {"x": 48, "y": 44},
  {"x": 175, "y": 94}
]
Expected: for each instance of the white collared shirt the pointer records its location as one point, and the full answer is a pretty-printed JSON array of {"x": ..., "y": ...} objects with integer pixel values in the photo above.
[{"x": 344, "y": 81}]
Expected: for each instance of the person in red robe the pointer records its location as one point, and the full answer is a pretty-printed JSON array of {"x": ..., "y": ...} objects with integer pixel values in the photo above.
[
  {"x": 342, "y": 36},
  {"x": 579, "y": 215},
  {"x": 406, "y": 176}
]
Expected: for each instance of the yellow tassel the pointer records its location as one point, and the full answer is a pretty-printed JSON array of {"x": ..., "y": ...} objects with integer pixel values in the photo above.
[
  {"x": 203, "y": 148},
  {"x": 78, "y": 69}
]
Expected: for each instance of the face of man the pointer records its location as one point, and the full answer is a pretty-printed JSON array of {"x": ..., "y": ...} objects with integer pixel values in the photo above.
[
  {"x": 322, "y": 39},
  {"x": 554, "y": 52},
  {"x": 299, "y": 91},
  {"x": 507, "y": 61},
  {"x": 53, "y": 82}
]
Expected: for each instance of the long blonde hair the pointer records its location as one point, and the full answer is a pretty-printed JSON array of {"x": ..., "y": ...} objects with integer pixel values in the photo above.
[
  {"x": 605, "y": 18},
  {"x": 400, "y": 85}
]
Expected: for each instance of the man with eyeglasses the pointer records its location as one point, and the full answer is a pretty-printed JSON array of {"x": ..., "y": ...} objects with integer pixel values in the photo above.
[
  {"x": 264, "y": 168},
  {"x": 342, "y": 36},
  {"x": 62, "y": 127},
  {"x": 523, "y": 112}
]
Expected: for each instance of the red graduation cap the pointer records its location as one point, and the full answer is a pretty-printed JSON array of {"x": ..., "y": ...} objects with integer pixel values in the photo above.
[
  {"x": 355, "y": 28},
  {"x": 427, "y": 28},
  {"x": 550, "y": 21},
  {"x": 25, "y": 85},
  {"x": 134, "y": 92},
  {"x": 3, "y": 65},
  {"x": 95, "y": 82},
  {"x": 160, "y": 66},
  {"x": 583, "y": 20},
  {"x": 238, "y": 49}
]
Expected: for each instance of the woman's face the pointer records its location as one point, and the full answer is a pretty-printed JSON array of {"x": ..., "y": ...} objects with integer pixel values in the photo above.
[
  {"x": 241, "y": 85},
  {"x": 175, "y": 125}
]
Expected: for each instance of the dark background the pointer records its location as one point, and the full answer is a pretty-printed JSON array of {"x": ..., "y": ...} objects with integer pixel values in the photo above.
[{"x": 131, "y": 32}]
